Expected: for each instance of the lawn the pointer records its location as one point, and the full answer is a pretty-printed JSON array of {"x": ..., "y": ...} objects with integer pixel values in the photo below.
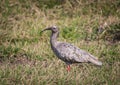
[{"x": 26, "y": 57}]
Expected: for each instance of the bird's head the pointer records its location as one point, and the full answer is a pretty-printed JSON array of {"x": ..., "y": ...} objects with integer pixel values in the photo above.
[{"x": 54, "y": 29}]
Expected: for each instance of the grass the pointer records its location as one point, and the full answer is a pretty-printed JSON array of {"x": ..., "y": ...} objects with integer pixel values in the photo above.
[{"x": 25, "y": 54}]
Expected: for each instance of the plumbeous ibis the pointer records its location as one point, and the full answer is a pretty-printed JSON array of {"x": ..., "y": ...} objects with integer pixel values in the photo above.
[{"x": 68, "y": 52}]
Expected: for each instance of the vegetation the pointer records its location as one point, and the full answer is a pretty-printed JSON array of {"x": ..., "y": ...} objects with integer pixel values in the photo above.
[{"x": 25, "y": 54}]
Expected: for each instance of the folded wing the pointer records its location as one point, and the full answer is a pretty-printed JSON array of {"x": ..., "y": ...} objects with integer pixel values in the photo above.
[{"x": 71, "y": 54}]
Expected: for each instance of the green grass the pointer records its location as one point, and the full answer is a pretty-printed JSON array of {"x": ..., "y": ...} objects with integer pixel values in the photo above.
[{"x": 25, "y": 54}]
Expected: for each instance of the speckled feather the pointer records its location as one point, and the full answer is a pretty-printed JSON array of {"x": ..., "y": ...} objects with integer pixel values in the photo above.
[{"x": 72, "y": 54}]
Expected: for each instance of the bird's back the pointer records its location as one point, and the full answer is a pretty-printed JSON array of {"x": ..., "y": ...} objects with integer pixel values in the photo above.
[{"x": 71, "y": 54}]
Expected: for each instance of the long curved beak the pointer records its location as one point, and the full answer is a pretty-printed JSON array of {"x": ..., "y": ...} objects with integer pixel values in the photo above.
[{"x": 45, "y": 29}]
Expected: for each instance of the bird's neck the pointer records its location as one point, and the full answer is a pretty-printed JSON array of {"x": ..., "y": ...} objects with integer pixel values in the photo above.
[{"x": 53, "y": 38}]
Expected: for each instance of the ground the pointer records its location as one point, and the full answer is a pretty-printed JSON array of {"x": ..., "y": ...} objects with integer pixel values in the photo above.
[{"x": 25, "y": 53}]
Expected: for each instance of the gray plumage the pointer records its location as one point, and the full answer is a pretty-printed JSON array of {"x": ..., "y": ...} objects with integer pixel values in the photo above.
[{"x": 69, "y": 53}]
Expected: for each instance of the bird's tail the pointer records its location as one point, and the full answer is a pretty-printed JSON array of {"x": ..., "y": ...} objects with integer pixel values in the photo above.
[{"x": 95, "y": 61}]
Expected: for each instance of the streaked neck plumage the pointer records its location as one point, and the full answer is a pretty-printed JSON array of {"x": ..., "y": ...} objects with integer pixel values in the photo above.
[{"x": 53, "y": 38}]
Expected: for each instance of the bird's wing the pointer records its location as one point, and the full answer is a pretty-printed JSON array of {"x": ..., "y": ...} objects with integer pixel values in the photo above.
[{"x": 73, "y": 54}]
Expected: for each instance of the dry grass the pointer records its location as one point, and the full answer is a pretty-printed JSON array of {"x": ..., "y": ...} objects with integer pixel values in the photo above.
[{"x": 20, "y": 26}]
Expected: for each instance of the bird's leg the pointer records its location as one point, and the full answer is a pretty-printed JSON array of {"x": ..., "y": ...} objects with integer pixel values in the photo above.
[{"x": 68, "y": 68}]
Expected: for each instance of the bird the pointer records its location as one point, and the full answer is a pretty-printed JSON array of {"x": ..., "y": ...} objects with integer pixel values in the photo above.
[{"x": 67, "y": 52}]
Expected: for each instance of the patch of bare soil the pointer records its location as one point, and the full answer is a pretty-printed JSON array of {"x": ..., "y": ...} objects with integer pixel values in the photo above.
[{"x": 17, "y": 60}]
